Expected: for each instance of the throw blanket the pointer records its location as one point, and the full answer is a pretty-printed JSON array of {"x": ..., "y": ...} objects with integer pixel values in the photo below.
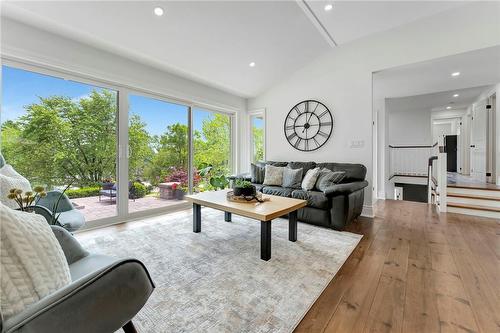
[
  {"x": 9, "y": 178},
  {"x": 33, "y": 264}
]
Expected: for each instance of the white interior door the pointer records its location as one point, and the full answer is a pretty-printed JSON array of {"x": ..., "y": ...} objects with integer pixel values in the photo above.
[{"x": 478, "y": 141}]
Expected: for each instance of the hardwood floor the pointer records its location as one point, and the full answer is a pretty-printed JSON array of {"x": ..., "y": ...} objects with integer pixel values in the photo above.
[{"x": 415, "y": 271}]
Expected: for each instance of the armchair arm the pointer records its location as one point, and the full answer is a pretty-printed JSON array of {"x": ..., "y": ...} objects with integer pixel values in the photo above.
[
  {"x": 99, "y": 302},
  {"x": 50, "y": 200},
  {"x": 346, "y": 188},
  {"x": 70, "y": 246}
]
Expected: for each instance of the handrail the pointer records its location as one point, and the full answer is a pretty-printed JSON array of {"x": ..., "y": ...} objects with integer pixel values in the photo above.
[{"x": 414, "y": 146}]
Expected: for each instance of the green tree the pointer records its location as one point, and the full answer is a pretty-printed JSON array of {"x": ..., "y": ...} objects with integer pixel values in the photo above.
[{"x": 258, "y": 144}]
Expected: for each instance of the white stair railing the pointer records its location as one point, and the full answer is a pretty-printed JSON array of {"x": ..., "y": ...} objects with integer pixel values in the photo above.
[{"x": 437, "y": 177}]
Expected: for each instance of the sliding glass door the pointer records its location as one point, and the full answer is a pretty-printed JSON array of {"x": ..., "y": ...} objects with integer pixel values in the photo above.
[
  {"x": 62, "y": 134},
  {"x": 212, "y": 155},
  {"x": 158, "y": 153}
]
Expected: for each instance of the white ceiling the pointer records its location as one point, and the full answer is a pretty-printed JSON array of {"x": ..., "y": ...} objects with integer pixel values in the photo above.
[
  {"x": 350, "y": 20},
  {"x": 477, "y": 68},
  {"x": 438, "y": 101},
  {"x": 214, "y": 41}
]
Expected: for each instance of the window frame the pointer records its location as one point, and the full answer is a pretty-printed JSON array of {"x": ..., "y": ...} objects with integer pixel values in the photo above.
[
  {"x": 251, "y": 115},
  {"x": 123, "y": 92}
]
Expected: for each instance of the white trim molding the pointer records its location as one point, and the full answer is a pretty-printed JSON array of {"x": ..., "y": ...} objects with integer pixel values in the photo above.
[{"x": 368, "y": 211}]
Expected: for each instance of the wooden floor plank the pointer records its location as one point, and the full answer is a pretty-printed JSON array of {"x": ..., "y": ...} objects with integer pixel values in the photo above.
[{"x": 450, "y": 259}]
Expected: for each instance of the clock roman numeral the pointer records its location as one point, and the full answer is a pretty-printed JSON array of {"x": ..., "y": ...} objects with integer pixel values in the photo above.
[
  {"x": 291, "y": 136},
  {"x": 290, "y": 127},
  {"x": 317, "y": 104},
  {"x": 316, "y": 142},
  {"x": 306, "y": 143},
  {"x": 297, "y": 110},
  {"x": 323, "y": 134},
  {"x": 328, "y": 123},
  {"x": 297, "y": 143},
  {"x": 324, "y": 112},
  {"x": 307, "y": 107}
]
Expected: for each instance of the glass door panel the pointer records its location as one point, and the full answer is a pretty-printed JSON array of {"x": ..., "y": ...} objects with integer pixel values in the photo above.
[
  {"x": 257, "y": 137},
  {"x": 158, "y": 153},
  {"x": 212, "y": 155},
  {"x": 62, "y": 134}
]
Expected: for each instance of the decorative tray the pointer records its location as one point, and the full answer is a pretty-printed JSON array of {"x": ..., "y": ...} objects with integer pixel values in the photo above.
[{"x": 246, "y": 199}]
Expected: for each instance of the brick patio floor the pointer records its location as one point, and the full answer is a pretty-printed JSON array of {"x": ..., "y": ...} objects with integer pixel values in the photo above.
[{"x": 95, "y": 209}]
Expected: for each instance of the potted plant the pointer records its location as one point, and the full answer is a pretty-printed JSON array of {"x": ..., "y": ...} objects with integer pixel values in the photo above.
[
  {"x": 27, "y": 200},
  {"x": 243, "y": 188}
]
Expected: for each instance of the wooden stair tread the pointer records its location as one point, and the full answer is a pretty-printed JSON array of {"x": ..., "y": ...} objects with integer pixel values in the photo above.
[
  {"x": 485, "y": 187},
  {"x": 473, "y": 196},
  {"x": 476, "y": 207}
]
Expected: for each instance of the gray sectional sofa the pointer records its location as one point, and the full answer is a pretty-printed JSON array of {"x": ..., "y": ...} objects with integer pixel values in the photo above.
[{"x": 335, "y": 207}]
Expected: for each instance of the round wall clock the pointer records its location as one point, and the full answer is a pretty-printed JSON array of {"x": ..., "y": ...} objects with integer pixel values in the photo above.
[{"x": 308, "y": 125}]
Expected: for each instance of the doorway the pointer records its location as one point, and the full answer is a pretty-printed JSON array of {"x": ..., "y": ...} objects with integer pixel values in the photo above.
[{"x": 450, "y": 143}]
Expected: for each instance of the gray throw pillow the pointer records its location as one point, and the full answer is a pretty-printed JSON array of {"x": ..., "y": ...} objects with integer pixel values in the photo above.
[
  {"x": 310, "y": 179},
  {"x": 257, "y": 173},
  {"x": 273, "y": 176},
  {"x": 292, "y": 177},
  {"x": 329, "y": 178}
]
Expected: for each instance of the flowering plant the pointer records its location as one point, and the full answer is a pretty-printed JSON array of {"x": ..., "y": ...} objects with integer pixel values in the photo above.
[{"x": 28, "y": 198}]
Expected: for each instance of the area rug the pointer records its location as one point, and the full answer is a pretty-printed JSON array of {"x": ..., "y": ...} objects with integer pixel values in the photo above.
[{"x": 215, "y": 281}]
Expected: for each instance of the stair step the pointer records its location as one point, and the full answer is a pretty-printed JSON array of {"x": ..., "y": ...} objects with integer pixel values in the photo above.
[
  {"x": 474, "y": 196},
  {"x": 474, "y": 207},
  {"x": 473, "y": 192},
  {"x": 487, "y": 187}
]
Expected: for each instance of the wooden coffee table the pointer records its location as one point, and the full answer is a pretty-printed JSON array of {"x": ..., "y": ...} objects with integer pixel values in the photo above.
[{"x": 265, "y": 212}]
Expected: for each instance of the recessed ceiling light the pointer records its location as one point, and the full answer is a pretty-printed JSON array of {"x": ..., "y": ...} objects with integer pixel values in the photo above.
[
  {"x": 158, "y": 11},
  {"x": 328, "y": 7},
  {"x": 456, "y": 95},
  {"x": 448, "y": 107},
  {"x": 252, "y": 64},
  {"x": 455, "y": 74}
]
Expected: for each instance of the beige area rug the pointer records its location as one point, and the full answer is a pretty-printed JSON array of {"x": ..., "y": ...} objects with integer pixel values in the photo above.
[{"x": 214, "y": 281}]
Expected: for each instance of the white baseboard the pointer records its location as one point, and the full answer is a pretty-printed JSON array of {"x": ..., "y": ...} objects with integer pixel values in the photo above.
[{"x": 367, "y": 211}]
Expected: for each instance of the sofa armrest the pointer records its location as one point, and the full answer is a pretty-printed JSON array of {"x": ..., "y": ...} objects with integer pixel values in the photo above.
[
  {"x": 244, "y": 176},
  {"x": 70, "y": 246},
  {"x": 346, "y": 188},
  {"x": 102, "y": 301}
]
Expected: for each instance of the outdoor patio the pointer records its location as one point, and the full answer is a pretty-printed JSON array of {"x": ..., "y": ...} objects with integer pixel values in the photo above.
[{"x": 93, "y": 209}]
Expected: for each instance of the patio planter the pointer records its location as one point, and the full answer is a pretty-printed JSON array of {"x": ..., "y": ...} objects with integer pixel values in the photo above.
[{"x": 167, "y": 191}]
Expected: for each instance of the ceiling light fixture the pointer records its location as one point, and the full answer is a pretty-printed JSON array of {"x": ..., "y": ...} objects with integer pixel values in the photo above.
[
  {"x": 328, "y": 7},
  {"x": 455, "y": 74},
  {"x": 252, "y": 64},
  {"x": 158, "y": 11},
  {"x": 456, "y": 95},
  {"x": 448, "y": 107}
]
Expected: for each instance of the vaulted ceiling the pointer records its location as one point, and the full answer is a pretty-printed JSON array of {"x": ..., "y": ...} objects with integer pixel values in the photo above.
[{"x": 215, "y": 41}]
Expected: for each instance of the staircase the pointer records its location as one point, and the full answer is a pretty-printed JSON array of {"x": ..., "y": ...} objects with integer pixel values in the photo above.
[{"x": 470, "y": 200}]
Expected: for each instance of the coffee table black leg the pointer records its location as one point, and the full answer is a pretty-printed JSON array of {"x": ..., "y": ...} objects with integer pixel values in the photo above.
[
  {"x": 292, "y": 226},
  {"x": 196, "y": 218},
  {"x": 227, "y": 216},
  {"x": 265, "y": 240}
]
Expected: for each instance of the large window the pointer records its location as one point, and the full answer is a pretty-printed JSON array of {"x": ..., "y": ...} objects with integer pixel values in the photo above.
[
  {"x": 212, "y": 156},
  {"x": 158, "y": 152},
  {"x": 60, "y": 133},
  {"x": 257, "y": 137}
]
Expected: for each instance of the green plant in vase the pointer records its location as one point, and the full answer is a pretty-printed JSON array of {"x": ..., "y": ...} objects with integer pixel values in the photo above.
[{"x": 243, "y": 188}]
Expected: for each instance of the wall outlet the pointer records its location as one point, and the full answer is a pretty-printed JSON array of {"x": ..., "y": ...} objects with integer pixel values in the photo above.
[{"x": 357, "y": 144}]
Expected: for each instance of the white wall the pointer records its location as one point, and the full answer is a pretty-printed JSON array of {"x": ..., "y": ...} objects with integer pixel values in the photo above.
[
  {"x": 342, "y": 79},
  {"x": 409, "y": 127}
]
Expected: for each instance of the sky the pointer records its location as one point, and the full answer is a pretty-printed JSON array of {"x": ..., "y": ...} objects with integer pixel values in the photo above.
[{"x": 21, "y": 88}]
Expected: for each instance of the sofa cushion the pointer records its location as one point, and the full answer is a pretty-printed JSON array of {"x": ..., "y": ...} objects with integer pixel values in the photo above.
[
  {"x": 273, "y": 176},
  {"x": 310, "y": 179},
  {"x": 306, "y": 166},
  {"x": 314, "y": 198},
  {"x": 278, "y": 190},
  {"x": 292, "y": 177},
  {"x": 328, "y": 178},
  {"x": 353, "y": 172},
  {"x": 10, "y": 179},
  {"x": 258, "y": 187},
  {"x": 277, "y": 164},
  {"x": 257, "y": 173}
]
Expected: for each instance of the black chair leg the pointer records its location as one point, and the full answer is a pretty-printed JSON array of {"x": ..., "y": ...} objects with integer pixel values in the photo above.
[{"x": 129, "y": 327}]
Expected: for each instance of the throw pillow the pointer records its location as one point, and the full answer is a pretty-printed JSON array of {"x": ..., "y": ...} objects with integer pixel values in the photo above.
[
  {"x": 328, "y": 179},
  {"x": 292, "y": 177},
  {"x": 273, "y": 176},
  {"x": 33, "y": 264},
  {"x": 9, "y": 179},
  {"x": 310, "y": 179},
  {"x": 257, "y": 173}
]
